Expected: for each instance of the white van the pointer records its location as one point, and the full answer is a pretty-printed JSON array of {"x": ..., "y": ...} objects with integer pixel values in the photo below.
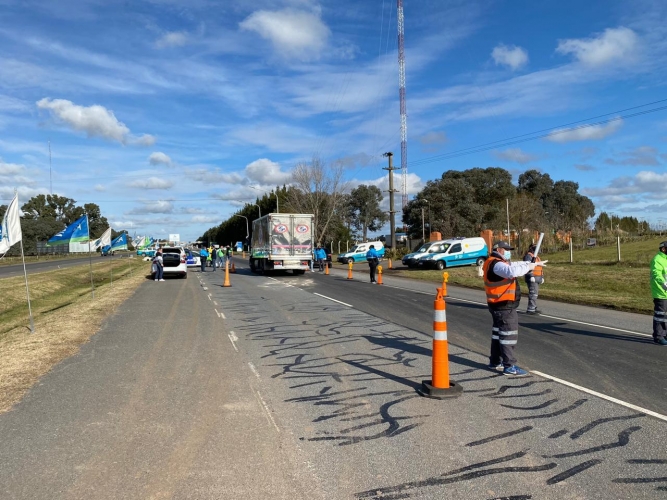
[
  {"x": 358, "y": 252},
  {"x": 456, "y": 252},
  {"x": 412, "y": 259}
]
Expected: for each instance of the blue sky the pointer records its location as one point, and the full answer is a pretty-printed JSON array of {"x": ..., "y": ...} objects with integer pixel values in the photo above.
[{"x": 171, "y": 115}]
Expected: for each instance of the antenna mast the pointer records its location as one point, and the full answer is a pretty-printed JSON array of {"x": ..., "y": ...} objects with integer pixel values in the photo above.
[
  {"x": 50, "y": 178},
  {"x": 401, "y": 94}
]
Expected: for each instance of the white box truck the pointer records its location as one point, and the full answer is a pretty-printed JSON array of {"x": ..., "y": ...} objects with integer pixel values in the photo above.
[{"x": 282, "y": 242}]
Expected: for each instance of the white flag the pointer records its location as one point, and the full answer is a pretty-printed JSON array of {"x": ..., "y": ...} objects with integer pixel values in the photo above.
[
  {"x": 105, "y": 240},
  {"x": 10, "y": 230}
]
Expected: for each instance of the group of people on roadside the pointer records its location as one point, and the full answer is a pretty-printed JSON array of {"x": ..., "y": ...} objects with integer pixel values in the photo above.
[{"x": 214, "y": 257}]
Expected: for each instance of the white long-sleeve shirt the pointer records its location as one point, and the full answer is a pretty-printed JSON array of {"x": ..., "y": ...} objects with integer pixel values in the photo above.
[{"x": 508, "y": 270}]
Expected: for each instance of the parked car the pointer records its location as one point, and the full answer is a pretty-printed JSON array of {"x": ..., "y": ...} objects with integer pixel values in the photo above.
[
  {"x": 412, "y": 259},
  {"x": 192, "y": 258},
  {"x": 174, "y": 262},
  {"x": 358, "y": 252},
  {"x": 456, "y": 252}
]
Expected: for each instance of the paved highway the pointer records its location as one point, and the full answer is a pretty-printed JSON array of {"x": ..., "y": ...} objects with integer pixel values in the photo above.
[
  {"x": 48, "y": 265},
  {"x": 304, "y": 387}
]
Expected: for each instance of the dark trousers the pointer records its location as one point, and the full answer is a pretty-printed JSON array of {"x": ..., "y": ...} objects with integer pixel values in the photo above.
[
  {"x": 202, "y": 262},
  {"x": 373, "y": 266},
  {"x": 320, "y": 264},
  {"x": 659, "y": 319},
  {"x": 504, "y": 336},
  {"x": 159, "y": 272},
  {"x": 533, "y": 291}
]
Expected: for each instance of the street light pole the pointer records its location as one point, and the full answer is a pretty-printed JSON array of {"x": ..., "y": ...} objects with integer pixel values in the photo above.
[
  {"x": 277, "y": 204},
  {"x": 258, "y": 208},
  {"x": 247, "y": 231},
  {"x": 423, "y": 230}
]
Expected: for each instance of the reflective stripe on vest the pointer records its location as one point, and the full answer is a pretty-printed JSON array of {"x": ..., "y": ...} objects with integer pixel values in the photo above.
[
  {"x": 498, "y": 291},
  {"x": 538, "y": 269}
]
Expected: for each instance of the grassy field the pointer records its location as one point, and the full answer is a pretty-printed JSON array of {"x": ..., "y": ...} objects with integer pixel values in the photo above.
[
  {"x": 594, "y": 278},
  {"x": 65, "y": 314},
  {"x": 14, "y": 260}
]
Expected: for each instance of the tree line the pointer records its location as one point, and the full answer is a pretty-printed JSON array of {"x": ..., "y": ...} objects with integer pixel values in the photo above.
[{"x": 46, "y": 215}]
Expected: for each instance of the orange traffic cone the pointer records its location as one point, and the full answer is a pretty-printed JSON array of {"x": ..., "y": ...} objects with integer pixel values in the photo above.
[
  {"x": 349, "y": 270},
  {"x": 390, "y": 264},
  {"x": 440, "y": 386},
  {"x": 326, "y": 268},
  {"x": 379, "y": 281},
  {"x": 233, "y": 267},
  {"x": 227, "y": 283}
]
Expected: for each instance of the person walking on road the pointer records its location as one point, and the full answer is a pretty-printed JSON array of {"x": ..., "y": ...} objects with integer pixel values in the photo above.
[
  {"x": 503, "y": 295},
  {"x": 228, "y": 255},
  {"x": 373, "y": 260},
  {"x": 320, "y": 257},
  {"x": 203, "y": 255},
  {"x": 534, "y": 279},
  {"x": 159, "y": 265},
  {"x": 659, "y": 292}
]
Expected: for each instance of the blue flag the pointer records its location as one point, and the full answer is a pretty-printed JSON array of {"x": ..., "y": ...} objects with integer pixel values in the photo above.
[
  {"x": 119, "y": 243},
  {"x": 77, "y": 232}
]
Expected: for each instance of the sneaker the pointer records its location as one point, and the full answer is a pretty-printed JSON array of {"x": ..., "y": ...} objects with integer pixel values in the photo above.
[
  {"x": 156, "y": 279},
  {"x": 515, "y": 371},
  {"x": 662, "y": 341},
  {"x": 536, "y": 311},
  {"x": 161, "y": 280},
  {"x": 499, "y": 367}
]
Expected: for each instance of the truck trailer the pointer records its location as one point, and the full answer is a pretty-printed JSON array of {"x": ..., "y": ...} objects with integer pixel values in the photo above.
[{"x": 282, "y": 242}]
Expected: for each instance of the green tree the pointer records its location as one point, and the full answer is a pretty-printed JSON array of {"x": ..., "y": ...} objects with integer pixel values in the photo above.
[
  {"x": 363, "y": 205},
  {"x": 38, "y": 207},
  {"x": 96, "y": 223}
]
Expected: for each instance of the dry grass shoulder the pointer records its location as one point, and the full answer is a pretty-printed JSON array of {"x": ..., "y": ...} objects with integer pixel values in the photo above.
[{"x": 65, "y": 315}]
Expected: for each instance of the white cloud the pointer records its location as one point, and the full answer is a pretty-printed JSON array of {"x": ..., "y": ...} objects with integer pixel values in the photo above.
[
  {"x": 95, "y": 121},
  {"x": 266, "y": 171},
  {"x": 611, "y": 45},
  {"x": 7, "y": 169},
  {"x": 433, "y": 137},
  {"x": 643, "y": 183},
  {"x": 100, "y": 188},
  {"x": 294, "y": 33},
  {"x": 585, "y": 133},
  {"x": 172, "y": 39},
  {"x": 214, "y": 176},
  {"x": 509, "y": 55},
  {"x": 645, "y": 156},
  {"x": 159, "y": 158},
  {"x": 585, "y": 167},
  {"x": 151, "y": 183},
  {"x": 207, "y": 219},
  {"x": 154, "y": 207},
  {"x": 515, "y": 155}
]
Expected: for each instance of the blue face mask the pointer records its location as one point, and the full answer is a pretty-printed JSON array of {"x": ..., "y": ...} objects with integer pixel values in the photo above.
[{"x": 508, "y": 255}]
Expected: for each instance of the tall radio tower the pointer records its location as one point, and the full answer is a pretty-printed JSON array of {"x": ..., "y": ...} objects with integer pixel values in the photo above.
[{"x": 401, "y": 95}]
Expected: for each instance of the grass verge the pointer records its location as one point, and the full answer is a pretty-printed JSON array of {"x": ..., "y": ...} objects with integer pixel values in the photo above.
[{"x": 65, "y": 315}]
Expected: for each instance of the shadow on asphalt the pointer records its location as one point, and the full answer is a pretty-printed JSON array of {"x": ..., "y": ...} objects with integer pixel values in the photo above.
[
  {"x": 389, "y": 376},
  {"x": 556, "y": 329}
]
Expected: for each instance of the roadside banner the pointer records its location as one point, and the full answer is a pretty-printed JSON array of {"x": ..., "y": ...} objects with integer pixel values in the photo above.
[
  {"x": 10, "y": 230},
  {"x": 77, "y": 232},
  {"x": 119, "y": 243},
  {"x": 104, "y": 240}
]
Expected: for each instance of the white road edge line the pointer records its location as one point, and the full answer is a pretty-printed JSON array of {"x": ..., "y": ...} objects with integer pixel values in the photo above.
[
  {"x": 329, "y": 298},
  {"x": 216, "y": 312},
  {"x": 215, "y": 303},
  {"x": 254, "y": 370},
  {"x": 233, "y": 338},
  {"x": 543, "y": 315},
  {"x": 222, "y": 315},
  {"x": 602, "y": 396},
  {"x": 266, "y": 410}
]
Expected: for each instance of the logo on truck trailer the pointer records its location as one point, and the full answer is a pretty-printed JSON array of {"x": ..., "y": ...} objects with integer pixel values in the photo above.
[
  {"x": 280, "y": 228},
  {"x": 301, "y": 228}
]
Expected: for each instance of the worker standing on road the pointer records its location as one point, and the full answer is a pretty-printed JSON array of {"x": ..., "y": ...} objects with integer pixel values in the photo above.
[
  {"x": 220, "y": 255},
  {"x": 534, "y": 279},
  {"x": 659, "y": 292},
  {"x": 373, "y": 260},
  {"x": 159, "y": 265},
  {"x": 203, "y": 255},
  {"x": 229, "y": 256},
  {"x": 320, "y": 257},
  {"x": 503, "y": 295}
]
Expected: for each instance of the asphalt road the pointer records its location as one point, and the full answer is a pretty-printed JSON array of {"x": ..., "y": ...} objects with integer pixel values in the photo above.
[
  {"x": 48, "y": 265},
  {"x": 267, "y": 390}
]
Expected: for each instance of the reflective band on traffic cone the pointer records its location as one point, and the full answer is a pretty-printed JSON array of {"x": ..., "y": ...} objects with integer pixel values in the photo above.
[
  {"x": 380, "y": 275},
  {"x": 440, "y": 347},
  {"x": 349, "y": 270},
  {"x": 227, "y": 283}
]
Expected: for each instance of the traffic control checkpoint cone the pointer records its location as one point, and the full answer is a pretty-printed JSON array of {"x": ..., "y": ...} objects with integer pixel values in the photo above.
[
  {"x": 390, "y": 264},
  {"x": 380, "y": 275},
  {"x": 227, "y": 283},
  {"x": 233, "y": 267},
  {"x": 349, "y": 270},
  {"x": 326, "y": 268},
  {"x": 440, "y": 387}
]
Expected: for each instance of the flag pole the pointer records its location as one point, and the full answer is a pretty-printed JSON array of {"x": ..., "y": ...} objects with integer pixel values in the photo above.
[
  {"x": 90, "y": 257},
  {"x": 27, "y": 290}
]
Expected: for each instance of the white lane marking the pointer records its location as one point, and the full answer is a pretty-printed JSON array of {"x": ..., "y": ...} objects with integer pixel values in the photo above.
[
  {"x": 254, "y": 370},
  {"x": 598, "y": 326},
  {"x": 216, "y": 312},
  {"x": 270, "y": 278},
  {"x": 215, "y": 303},
  {"x": 267, "y": 412},
  {"x": 543, "y": 315},
  {"x": 209, "y": 296},
  {"x": 222, "y": 315},
  {"x": 603, "y": 396},
  {"x": 329, "y": 298},
  {"x": 233, "y": 338}
]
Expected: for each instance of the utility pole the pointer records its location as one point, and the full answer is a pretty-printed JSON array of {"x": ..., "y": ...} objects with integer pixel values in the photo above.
[
  {"x": 392, "y": 212},
  {"x": 50, "y": 175}
]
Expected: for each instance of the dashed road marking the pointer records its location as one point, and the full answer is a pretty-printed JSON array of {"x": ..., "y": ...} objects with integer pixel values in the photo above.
[
  {"x": 334, "y": 300},
  {"x": 254, "y": 370},
  {"x": 222, "y": 315},
  {"x": 267, "y": 412},
  {"x": 233, "y": 338},
  {"x": 603, "y": 396},
  {"x": 216, "y": 312}
]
